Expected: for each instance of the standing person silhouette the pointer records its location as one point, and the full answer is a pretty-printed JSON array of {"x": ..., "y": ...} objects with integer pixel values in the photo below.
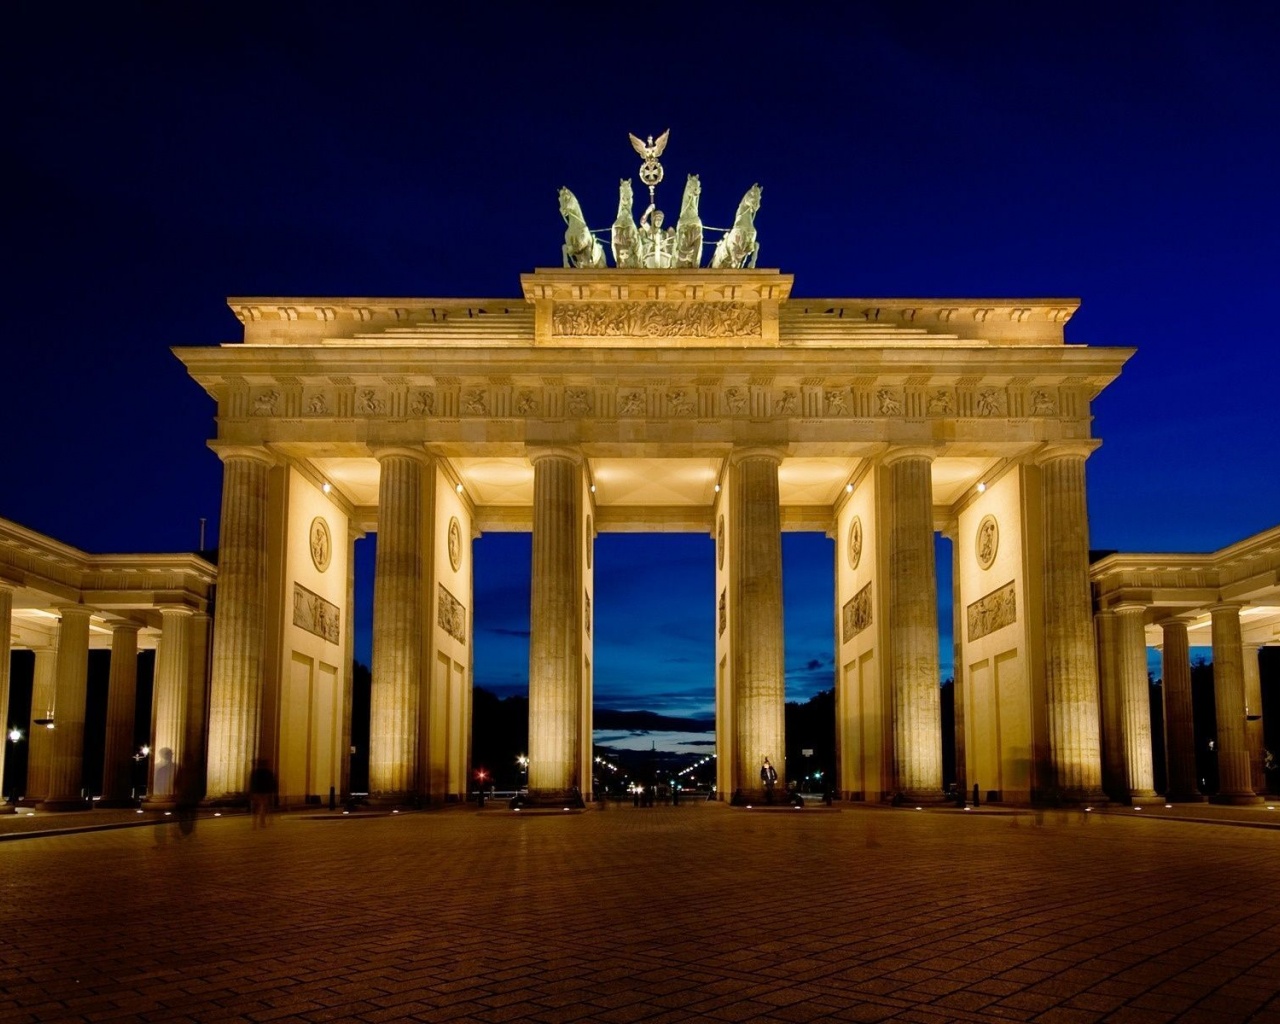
[
  {"x": 769, "y": 776},
  {"x": 262, "y": 790}
]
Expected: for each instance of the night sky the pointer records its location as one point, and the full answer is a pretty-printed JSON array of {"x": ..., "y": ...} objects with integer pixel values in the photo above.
[{"x": 161, "y": 157}]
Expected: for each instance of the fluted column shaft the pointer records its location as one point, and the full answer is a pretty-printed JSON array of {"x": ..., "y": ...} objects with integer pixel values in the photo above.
[
  {"x": 66, "y": 763},
  {"x": 235, "y": 693},
  {"x": 1179, "y": 719},
  {"x": 122, "y": 691},
  {"x": 43, "y": 695},
  {"x": 913, "y": 629},
  {"x": 1135, "y": 700},
  {"x": 1115, "y": 768},
  {"x": 1234, "y": 780},
  {"x": 555, "y": 637},
  {"x": 396, "y": 692},
  {"x": 1071, "y": 675},
  {"x": 173, "y": 672},
  {"x": 6, "y": 630},
  {"x": 759, "y": 670},
  {"x": 195, "y": 752},
  {"x": 1253, "y": 718}
]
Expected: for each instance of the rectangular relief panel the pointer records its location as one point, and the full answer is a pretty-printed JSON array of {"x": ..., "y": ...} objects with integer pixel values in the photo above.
[{"x": 315, "y": 614}]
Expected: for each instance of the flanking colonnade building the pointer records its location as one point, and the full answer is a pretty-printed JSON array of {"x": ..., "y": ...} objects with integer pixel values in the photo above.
[{"x": 651, "y": 400}]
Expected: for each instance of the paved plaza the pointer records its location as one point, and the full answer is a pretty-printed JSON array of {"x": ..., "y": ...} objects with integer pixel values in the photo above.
[{"x": 695, "y": 913}]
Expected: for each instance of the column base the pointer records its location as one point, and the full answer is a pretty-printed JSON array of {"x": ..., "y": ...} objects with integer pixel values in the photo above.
[
  {"x": 555, "y": 798},
  {"x": 395, "y": 801},
  {"x": 761, "y": 798},
  {"x": 8, "y": 809},
  {"x": 926, "y": 798},
  {"x": 1186, "y": 798},
  {"x": 1142, "y": 794},
  {"x": 159, "y": 804},
  {"x": 1237, "y": 799},
  {"x": 117, "y": 803},
  {"x": 1071, "y": 798},
  {"x": 64, "y": 804}
]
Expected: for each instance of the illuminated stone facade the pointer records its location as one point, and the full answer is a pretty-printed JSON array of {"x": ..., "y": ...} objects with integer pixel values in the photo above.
[{"x": 694, "y": 400}]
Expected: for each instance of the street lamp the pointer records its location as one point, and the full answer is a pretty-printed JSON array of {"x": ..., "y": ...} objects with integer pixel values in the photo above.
[{"x": 523, "y": 761}]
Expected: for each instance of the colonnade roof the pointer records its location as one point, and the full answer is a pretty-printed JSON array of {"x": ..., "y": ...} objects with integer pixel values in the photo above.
[
  {"x": 46, "y": 575},
  {"x": 1186, "y": 586}
]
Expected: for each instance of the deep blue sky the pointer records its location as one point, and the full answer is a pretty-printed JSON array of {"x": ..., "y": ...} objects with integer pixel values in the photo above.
[{"x": 164, "y": 156}]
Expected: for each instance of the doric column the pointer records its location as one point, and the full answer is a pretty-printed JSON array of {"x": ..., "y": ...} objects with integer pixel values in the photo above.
[
  {"x": 235, "y": 691},
  {"x": 349, "y": 625},
  {"x": 1234, "y": 781},
  {"x": 172, "y": 678},
  {"x": 1071, "y": 674},
  {"x": 66, "y": 763},
  {"x": 1179, "y": 719},
  {"x": 1253, "y": 717},
  {"x": 759, "y": 670},
  {"x": 1115, "y": 769},
  {"x": 117, "y": 759},
  {"x": 1135, "y": 699},
  {"x": 195, "y": 752},
  {"x": 913, "y": 626},
  {"x": 43, "y": 694},
  {"x": 6, "y": 629},
  {"x": 398, "y": 612},
  {"x": 555, "y": 628}
]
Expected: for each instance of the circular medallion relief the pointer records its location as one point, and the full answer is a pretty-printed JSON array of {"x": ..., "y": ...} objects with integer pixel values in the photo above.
[
  {"x": 590, "y": 540},
  {"x": 321, "y": 543},
  {"x": 720, "y": 543},
  {"x": 455, "y": 543},
  {"x": 987, "y": 542},
  {"x": 855, "y": 542}
]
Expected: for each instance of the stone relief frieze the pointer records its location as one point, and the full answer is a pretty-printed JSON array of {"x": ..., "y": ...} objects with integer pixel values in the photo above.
[
  {"x": 266, "y": 405},
  {"x": 856, "y": 614},
  {"x": 990, "y": 402},
  {"x": 475, "y": 401},
  {"x": 423, "y": 404},
  {"x": 785, "y": 404},
  {"x": 1042, "y": 404},
  {"x": 631, "y": 403},
  {"x": 370, "y": 403},
  {"x": 320, "y": 543},
  {"x": 889, "y": 402},
  {"x": 724, "y": 613},
  {"x": 526, "y": 403},
  {"x": 995, "y": 611},
  {"x": 577, "y": 401},
  {"x": 836, "y": 404},
  {"x": 735, "y": 400},
  {"x": 941, "y": 403},
  {"x": 318, "y": 406},
  {"x": 316, "y": 615},
  {"x": 681, "y": 403},
  {"x": 451, "y": 615},
  {"x": 655, "y": 320},
  {"x": 587, "y": 613}
]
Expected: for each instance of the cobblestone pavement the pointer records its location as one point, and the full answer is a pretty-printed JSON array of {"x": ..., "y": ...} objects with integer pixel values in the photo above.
[{"x": 695, "y": 913}]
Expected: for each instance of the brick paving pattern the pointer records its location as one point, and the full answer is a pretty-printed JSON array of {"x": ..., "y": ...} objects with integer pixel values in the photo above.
[{"x": 696, "y": 913}]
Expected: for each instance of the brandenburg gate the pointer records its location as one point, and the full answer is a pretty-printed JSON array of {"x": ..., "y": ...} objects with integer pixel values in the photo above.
[{"x": 656, "y": 395}]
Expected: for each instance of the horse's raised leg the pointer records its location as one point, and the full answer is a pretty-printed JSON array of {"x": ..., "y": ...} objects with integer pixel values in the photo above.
[{"x": 755, "y": 251}]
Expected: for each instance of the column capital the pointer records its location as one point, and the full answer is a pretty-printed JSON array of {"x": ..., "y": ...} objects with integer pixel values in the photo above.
[
  {"x": 1080, "y": 449},
  {"x": 1226, "y": 606},
  {"x": 1130, "y": 607},
  {"x": 909, "y": 451},
  {"x": 536, "y": 453},
  {"x": 65, "y": 608},
  {"x": 1168, "y": 622},
  {"x": 742, "y": 454},
  {"x": 387, "y": 451},
  {"x": 124, "y": 626},
  {"x": 175, "y": 609},
  {"x": 253, "y": 452}
]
